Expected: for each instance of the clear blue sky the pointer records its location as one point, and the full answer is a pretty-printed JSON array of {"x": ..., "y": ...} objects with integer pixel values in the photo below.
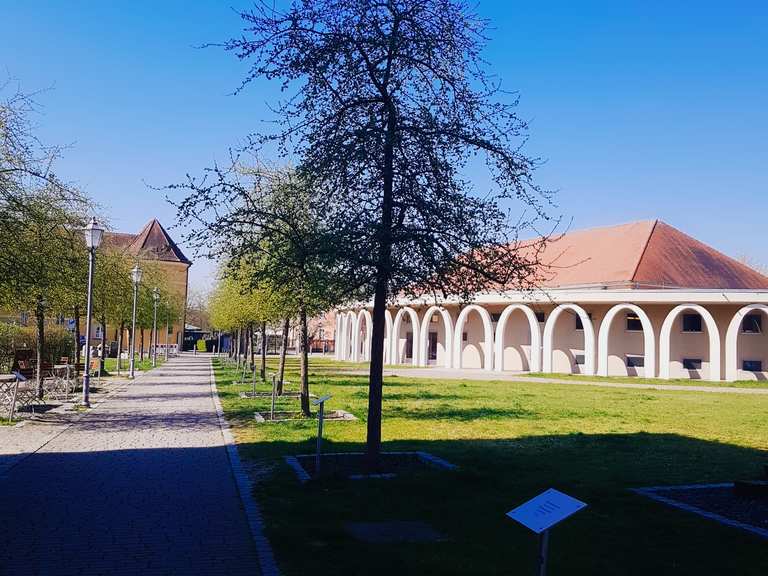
[{"x": 650, "y": 109}]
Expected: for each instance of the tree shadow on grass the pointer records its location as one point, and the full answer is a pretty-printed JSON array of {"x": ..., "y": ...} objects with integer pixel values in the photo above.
[{"x": 619, "y": 533}]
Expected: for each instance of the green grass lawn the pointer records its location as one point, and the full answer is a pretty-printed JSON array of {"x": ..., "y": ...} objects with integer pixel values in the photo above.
[
  {"x": 654, "y": 381},
  {"x": 511, "y": 440},
  {"x": 110, "y": 364}
]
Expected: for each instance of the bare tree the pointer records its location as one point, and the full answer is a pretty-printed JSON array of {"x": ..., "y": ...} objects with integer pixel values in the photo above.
[{"x": 390, "y": 105}]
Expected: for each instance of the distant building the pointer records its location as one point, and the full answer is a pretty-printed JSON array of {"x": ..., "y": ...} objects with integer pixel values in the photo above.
[
  {"x": 640, "y": 299},
  {"x": 155, "y": 244}
]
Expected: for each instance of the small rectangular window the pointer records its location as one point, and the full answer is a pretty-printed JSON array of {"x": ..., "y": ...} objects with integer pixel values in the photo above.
[
  {"x": 579, "y": 359},
  {"x": 433, "y": 319},
  {"x": 579, "y": 324},
  {"x": 541, "y": 317},
  {"x": 691, "y": 323},
  {"x": 409, "y": 345},
  {"x": 691, "y": 363},
  {"x": 463, "y": 336},
  {"x": 495, "y": 317},
  {"x": 635, "y": 361},
  {"x": 752, "y": 365},
  {"x": 752, "y": 324},
  {"x": 633, "y": 323}
]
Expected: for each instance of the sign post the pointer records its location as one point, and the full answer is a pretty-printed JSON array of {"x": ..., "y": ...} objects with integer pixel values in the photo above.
[
  {"x": 320, "y": 415},
  {"x": 541, "y": 513}
]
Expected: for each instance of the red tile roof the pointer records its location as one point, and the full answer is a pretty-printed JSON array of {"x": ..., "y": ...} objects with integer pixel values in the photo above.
[
  {"x": 649, "y": 254},
  {"x": 153, "y": 242}
]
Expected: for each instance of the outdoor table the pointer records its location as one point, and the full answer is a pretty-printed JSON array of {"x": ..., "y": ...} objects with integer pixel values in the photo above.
[
  {"x": 59, "y": 386},
  {"x": 9, "y": 388}
]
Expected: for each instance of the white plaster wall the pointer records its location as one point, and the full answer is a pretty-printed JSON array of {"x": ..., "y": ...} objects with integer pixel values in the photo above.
[
  {"x": 567, "y": 342},
  {"x": 517, "y": 342},
  {"x": 437, "y": 325},
  {"x": 473, "y": 350},
  {"x": 405, "y": 327},
  {"x": 622, "y": 342}
]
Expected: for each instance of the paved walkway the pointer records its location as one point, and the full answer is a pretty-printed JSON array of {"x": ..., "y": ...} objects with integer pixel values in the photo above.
[
  {"x": 141, "y": 485},
  {"x": 474, "y": 374}
]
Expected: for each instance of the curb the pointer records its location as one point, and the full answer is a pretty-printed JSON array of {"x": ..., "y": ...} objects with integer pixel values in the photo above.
[{"x": 264, "y": 550}]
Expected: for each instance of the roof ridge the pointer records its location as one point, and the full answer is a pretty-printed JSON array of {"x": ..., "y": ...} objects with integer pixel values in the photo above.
[{"x": 643, "y": 251}]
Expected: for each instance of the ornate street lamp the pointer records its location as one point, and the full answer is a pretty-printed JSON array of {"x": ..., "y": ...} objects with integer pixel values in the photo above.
[
  {"x": 93, "y": 234},
  {"x": 136, "y": 278},
  {"x": 156, "y": 299}
]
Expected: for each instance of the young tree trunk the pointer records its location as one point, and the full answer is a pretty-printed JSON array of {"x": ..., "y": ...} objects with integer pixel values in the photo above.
[
  {"x": 304, "y": 361},
  {"x": 40, "y": 338},
  {"x": 263, "y": 369},
  {"x": 141, "y": 352},
  {"x": 102, "y": 361},
  {"x": 77, "y": 340},
  {"x": 120, "y": 346},
  {"x": 383, "y": 266},
  {"x": 283, "y": 351},
  {"x": 252, "y": 351}
]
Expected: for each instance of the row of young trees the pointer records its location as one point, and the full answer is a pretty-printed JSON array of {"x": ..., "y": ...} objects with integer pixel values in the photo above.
[
  {"x": 390, "y": 108},
  {"x": 43, "y": 259}
]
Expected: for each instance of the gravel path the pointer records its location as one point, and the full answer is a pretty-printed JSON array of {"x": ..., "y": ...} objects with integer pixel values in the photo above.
[{"x": 141, "y": 485}]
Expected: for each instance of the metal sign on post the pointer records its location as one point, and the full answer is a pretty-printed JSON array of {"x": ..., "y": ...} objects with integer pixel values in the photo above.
[
  {"x": 541, "y": 513},
  {"x": 320, "y": 414}
]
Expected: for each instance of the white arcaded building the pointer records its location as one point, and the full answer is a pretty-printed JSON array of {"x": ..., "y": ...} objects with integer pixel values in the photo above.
[{"x": 640, "y": 299}]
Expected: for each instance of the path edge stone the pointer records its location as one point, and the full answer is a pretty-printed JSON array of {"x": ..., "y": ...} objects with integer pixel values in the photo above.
[{"x": 266, "y": 555}]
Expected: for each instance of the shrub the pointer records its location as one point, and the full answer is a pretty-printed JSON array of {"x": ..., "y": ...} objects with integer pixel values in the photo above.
[
  {"x": 10, "y": 339},
  {"x": 201, "y": 346}
]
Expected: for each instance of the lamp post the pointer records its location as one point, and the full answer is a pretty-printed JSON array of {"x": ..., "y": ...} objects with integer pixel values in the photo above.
[
  {"x": 136, "y": 278},
  {"x": 156, "y": 299},
  {"x": 93, "y": 234}
]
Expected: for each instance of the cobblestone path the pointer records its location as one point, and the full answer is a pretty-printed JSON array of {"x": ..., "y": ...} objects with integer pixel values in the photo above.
[{"x": 140, "y": 486}]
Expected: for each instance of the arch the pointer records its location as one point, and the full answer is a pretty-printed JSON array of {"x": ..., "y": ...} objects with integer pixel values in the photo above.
[
  {"x": 732, "y": 340},
  {"x": 351, "y": 339},
  {"x": 363, "y": 349},
  {"x": 424, "y": 335},
  {"x": 387, "y": 336},
  {"x": 395, "y": 355},
  {"x": 712, "y": 332},
  {"x": 649, "y": 340},
  {"x": 534, "y": 362},
  {"x": 487, "y": 331},
  {"x": 339, "y": 335},
  {"x": 589, "y": 337}
]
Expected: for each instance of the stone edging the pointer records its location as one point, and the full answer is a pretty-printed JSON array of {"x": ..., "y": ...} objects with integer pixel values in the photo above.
[
  {"x": 651, "y": 492},
  {"x": 264, "y": 550}
]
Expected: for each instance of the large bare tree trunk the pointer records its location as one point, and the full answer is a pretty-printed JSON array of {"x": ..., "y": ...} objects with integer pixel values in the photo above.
[
  {"x": 40, "y": 338},
  {"x": 263, "y": 368},
  {"x": 383, "y": 266},
  {"x": 304, "y": 361},
  {"x": 283, "y": 351}
]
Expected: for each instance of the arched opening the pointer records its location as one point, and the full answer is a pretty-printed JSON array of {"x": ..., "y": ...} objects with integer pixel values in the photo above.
[
  {"x": 569, "y": 345},
  {"x": 473, "y": 339},
  {"x": 351, "y": 339},
  {"x": 436, "y": 338},
  {"x": 746, "y": 344},
  {"x": 405, "y": 332},
  {"x": 689, "y": 344},
  {"x": 364, "y": 328},
  {"x": 387, "y": 337},
  {"x": 518, "y": 340},
  {"x": 629, "y": 347},
  {"x": 339, "y": 336}
]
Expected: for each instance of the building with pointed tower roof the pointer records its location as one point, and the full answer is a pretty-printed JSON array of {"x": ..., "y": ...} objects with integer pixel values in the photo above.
[
  {"x": 637, "y": 299},
  {"x": 154, "y": 244}
]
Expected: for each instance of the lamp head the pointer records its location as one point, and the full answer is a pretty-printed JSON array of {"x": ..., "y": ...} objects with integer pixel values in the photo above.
[
  {"x": 93, "y": 234},
  {"x": 156, "y": 294},
  {"x": 136, "y": 274}
]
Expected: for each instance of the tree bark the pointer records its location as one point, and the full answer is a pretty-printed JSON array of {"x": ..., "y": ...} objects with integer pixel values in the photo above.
[
  {"x": 252, "y": 352},
  {"x": 102, "y": 361},
  {"x": 304, "y": 361},
  {"x": 263, "y": 368},
  {"x": 283, "y": 351},
  {"x": 40, "y": 338},
  {"x": 141, "y": 352},
  {"x": 77, "y": 340},
  {"x": 120, "y": 346},
  {"x": 383, "y": 266}
]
